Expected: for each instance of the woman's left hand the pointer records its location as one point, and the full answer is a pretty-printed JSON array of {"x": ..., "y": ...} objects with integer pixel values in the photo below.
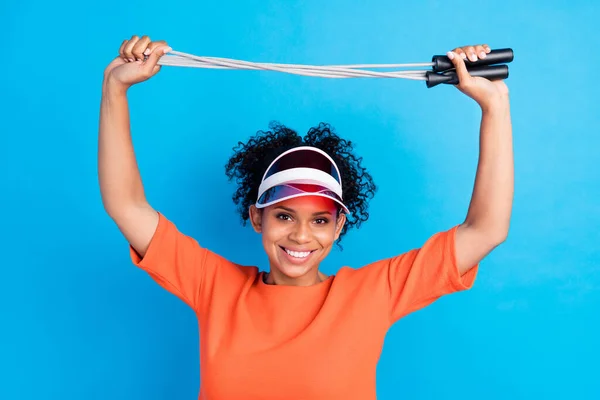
[{"x": 482, "y": 90}]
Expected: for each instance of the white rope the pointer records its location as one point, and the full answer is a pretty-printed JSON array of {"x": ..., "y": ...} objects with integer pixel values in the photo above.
[{"x": 179, "y": 59}]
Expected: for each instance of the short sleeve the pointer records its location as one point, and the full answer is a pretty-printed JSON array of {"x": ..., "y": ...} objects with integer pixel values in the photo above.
[
  {"x": 175, "y": 261},
  {"x": 421, "y": 276}
]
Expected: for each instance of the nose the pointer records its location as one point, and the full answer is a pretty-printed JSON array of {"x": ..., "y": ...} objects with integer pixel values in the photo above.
[{"x": 301, "y": 233}]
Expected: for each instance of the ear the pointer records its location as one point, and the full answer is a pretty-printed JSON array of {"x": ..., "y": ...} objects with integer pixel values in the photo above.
[
  {"x": 339, "y": 224},
  {"x": 256, "y": 218}
]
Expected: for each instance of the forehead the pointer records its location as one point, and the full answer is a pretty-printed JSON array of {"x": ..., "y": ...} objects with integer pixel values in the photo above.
[{"x": 308, "y": 204}]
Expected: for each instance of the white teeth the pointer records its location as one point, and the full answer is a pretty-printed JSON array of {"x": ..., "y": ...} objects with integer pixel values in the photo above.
[{"x": 298, "y": 254}]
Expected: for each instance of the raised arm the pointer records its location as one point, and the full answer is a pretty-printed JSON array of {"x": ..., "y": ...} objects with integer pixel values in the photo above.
[
  {"x": 487, "y": 222},
  {"x": 120, "y": 181}
]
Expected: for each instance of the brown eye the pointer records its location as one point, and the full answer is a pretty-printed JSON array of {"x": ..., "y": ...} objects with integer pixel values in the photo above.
[{"x": 283, "y": 217}]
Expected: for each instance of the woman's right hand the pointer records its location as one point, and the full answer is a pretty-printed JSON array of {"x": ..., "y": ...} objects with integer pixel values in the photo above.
[{"x": 137, "y": 61}]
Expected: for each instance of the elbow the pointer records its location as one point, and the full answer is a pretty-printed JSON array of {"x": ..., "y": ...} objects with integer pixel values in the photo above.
[
  {"x": 118, "y": 210},
  {"x": 498, "y": 235},
  {"x": 500, "y": 232}
]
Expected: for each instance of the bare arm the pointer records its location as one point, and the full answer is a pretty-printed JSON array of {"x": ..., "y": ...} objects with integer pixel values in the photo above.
[
  {"x": 120, "y": 181},
  {"x": 488, "y": 218},
  {"x": 121, "y": 185}
]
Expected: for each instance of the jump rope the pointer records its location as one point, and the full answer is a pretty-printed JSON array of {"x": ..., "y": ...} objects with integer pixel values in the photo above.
[{"x": 442, "y": 70}]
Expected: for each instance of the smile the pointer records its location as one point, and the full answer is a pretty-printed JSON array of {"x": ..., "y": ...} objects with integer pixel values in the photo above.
[{"x": 297, "y": 254}]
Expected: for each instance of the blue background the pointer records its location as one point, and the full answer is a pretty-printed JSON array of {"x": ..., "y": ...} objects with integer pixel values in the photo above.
[{"x": 80, "y": 321}]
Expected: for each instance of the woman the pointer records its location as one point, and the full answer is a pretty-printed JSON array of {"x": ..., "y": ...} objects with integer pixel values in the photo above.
[{"x": 293, "y": 332}]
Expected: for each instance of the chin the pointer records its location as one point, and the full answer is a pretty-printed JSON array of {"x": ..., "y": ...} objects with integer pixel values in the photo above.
[
  {"x": 296, "y": 268},
  {"x": 294, "y": 271}
]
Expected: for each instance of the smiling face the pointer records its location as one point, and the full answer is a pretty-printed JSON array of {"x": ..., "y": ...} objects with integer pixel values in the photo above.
[{"x": 297, "y": 235}]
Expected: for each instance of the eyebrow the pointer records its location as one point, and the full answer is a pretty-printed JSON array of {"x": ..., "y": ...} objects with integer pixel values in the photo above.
[{"x": 293, "y": 212}]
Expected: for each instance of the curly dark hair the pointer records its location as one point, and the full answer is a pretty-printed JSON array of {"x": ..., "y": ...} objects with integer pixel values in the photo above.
[{"x": 250, "y": 160}]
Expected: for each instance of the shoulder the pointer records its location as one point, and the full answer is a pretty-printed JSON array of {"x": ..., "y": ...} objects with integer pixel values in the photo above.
[
  {"x": 215, "y": 262},
  {"x": 368, "y": 276}
]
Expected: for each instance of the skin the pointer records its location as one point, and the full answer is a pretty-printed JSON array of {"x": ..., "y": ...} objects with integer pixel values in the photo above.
[
  {"x": 309, "y": 223},
  {"x": 485, "y": 227},
  {"x": 488, "y": 218}
]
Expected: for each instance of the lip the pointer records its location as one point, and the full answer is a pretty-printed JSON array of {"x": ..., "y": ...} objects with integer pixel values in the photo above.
[{"x": 294, "y": 260}]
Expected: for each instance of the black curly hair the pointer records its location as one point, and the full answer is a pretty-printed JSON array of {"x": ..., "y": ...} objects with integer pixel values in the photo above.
[{"x": 250, "y": 160}]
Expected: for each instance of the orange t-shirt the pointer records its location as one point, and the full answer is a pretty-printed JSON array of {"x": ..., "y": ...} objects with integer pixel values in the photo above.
[{"x": 260, "y": 341}]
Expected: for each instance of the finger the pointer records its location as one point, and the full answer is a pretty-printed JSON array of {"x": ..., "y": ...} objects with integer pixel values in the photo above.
[
  {"x": 470, "y": 51},
  {"x": 461, "y": 69},
  {"x": 140, "y": 47},
  {"x": 129, "y": 47},
  {"x": 122, "y": 48},
  {"x": 150, "y": 65},
  {"x": 152, "y": 46},
  {"x": 480, "y": 52},
  {"x": 486, "y": 48},
  {"x": 460, "y": 52}
]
